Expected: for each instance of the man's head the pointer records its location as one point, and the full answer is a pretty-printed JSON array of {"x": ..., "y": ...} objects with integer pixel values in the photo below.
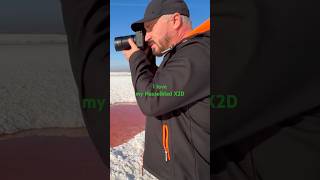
[{"x": 166, "y": 22}]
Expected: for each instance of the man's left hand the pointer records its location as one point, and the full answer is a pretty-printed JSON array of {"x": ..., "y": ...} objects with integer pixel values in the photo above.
[{"x": 134, "y": 48}]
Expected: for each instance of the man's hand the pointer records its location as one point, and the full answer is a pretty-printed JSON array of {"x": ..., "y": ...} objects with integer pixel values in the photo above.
[{"x": 134, "y": 48}]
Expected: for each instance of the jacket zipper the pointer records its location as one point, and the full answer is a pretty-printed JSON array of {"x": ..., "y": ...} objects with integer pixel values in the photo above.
[{"x": 165, "y": 141}]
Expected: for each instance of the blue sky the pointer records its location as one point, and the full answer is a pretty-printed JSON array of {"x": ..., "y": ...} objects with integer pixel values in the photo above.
[{"x": 124, "y": 12}]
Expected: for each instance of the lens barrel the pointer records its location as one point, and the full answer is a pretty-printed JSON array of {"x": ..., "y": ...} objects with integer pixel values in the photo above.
[{"x": 121, "y": 43}]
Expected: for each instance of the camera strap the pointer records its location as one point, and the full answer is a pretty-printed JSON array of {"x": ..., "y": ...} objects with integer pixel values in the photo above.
[
  {"x": 167, "y": 50},
  {"x": 202, "y": 28}
]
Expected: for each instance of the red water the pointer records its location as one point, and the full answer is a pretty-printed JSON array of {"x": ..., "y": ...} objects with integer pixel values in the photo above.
[
  {"x": 125, "y": 122},
  {"x": 50, "y": 158},
  {"x": 66, "y": 158}
]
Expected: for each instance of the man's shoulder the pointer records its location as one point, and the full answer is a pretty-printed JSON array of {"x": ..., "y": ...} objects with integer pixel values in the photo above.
[
  {"x": 197, "y": 46},
  {"x": 200, "y": 38},
  {"x": 196, "y": 43}
]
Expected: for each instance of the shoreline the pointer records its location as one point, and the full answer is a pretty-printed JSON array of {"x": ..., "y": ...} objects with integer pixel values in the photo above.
[
  {"x": 57, "y": 131},
  {"x": 54, "y": 131}
]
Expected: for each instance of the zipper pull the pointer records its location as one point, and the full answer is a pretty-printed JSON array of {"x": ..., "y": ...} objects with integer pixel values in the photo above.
[{"x": 166, "y": 155}]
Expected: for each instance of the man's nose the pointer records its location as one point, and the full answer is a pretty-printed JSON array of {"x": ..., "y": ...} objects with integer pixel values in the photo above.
[{"x": 147, "y": 37}]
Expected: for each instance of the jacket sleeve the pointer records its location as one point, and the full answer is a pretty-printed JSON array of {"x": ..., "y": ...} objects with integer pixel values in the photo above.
[
  {"x": 86, "y": 27},
  {"x": 187, "y": 70}
]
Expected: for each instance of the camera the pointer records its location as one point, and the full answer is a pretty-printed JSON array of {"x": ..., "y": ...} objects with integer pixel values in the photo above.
[{"x": 121, "y": 43}]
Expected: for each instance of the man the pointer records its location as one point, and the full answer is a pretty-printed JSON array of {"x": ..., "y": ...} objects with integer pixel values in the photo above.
[
  {"x": 267, "y": 53},
  {"x": 177, "y": 137}
]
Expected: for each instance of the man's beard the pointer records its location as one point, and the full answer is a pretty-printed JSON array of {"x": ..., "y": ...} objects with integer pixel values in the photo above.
[{"x": 162, "y": 46}]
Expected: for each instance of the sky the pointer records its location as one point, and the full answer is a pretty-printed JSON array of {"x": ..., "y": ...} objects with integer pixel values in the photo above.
[
  {"x": 124, "y": 12},
  {"x": 45, "y": 17},
  {"x": 31, "y": 16}
]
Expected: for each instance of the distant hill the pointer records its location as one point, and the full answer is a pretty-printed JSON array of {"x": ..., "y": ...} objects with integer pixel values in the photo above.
[{"x": 32, "y": 16}]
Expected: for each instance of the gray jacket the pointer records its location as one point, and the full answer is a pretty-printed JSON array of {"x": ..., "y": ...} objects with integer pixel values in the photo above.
[{"x": 185, "y": 73}]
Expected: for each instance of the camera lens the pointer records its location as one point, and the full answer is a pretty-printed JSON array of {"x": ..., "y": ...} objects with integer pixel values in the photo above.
[{"x": 121, "y": 43}]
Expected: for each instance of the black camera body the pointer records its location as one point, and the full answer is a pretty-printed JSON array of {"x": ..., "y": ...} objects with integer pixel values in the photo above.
[{"x": 121, "y": 42}]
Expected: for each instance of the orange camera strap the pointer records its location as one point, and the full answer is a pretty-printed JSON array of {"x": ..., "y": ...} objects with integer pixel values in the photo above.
[{"x": 204, "y": 27}]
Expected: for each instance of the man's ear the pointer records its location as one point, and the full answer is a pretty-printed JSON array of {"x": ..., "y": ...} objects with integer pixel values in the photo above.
[{"x": 177, "y": 21}]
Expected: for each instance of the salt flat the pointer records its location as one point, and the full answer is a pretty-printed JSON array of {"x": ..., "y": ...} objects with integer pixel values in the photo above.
[
  {"x": 126, "y": 160},
  {"x": 38, "y": 91},
  {"x": 121, "y": 88},
  {"x": 37, "y": 88}
]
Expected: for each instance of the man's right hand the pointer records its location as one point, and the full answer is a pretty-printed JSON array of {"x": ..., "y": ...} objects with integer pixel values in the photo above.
[
  {"x": 151, "y": 58},
  {"x": 134, "y": 48}
]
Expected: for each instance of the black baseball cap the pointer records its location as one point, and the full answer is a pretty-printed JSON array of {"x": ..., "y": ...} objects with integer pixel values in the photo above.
[{"x": 157, "y": 8}]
